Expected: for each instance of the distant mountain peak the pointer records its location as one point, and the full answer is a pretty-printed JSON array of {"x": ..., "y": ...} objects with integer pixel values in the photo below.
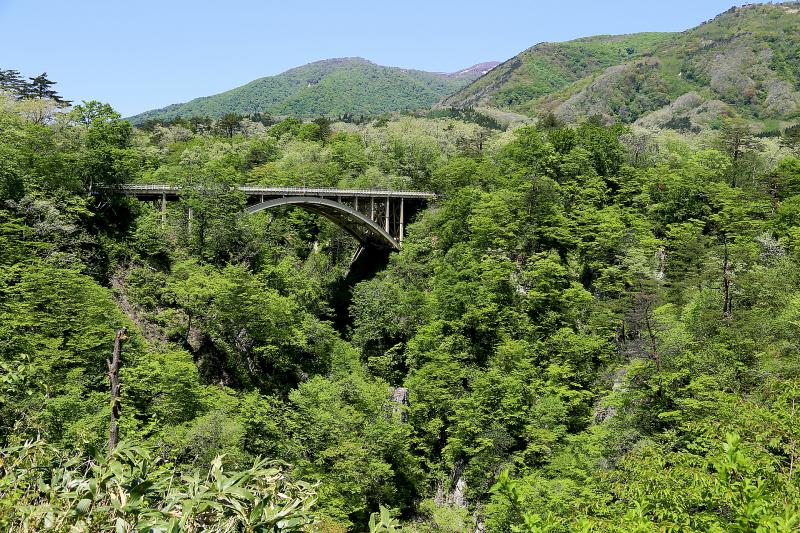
[
  {"x": 480, "y": 69},
  {"x": 338, "y": 61},
  {"x": 329, "y": 87}
]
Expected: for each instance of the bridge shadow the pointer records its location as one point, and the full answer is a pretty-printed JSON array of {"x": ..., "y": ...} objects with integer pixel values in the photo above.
[{"x": 367, "y": 263}]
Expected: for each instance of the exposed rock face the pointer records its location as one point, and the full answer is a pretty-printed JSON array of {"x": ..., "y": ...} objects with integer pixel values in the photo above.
[
  {"x": 195, "y": 338},
  {"x": 399, "y": 399},
  {"x": 732, "y": 71},
  {"x": 604, "y": 412},
  {"x": 781, "y": 98},
  {"x": 688, "y": 111},
  {"x": 457, "y": 496},
  {"x": 400, "y": 396},
  {"x": 680, "y": 108},
  {"x": 458, "y": 488},
  {"x": 617, "y": 92},
  {"x": 660, "y": 258}
]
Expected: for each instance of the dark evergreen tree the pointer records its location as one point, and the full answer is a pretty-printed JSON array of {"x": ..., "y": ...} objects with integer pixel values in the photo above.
[
  {"x": 791, "y": 137},
  {"x": 324, "y": 128},
  {"x": 11, "y": 81},
  {"x": 263, "y": 118},
  {"x": 41, "y": 87},
  {"x": 199, "y": 124},
  {"x": 229, "y": 124}
]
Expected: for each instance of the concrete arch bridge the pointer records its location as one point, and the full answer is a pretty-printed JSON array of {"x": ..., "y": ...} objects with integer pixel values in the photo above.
[{"x": 376, "y": 218}]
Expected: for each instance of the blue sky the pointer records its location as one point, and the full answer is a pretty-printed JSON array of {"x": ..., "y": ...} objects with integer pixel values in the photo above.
[{"x": 141, "y": 54}]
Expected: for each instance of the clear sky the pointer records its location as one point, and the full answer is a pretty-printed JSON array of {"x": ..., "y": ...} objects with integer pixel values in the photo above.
[{"x": 141, "y": 54}]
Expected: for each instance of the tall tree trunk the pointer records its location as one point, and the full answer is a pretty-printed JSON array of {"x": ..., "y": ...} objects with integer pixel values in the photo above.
[
  {"x": 113, "y": 376},
  {"x": 655, "y": 355},
  {"x": 727, "y": 307}
]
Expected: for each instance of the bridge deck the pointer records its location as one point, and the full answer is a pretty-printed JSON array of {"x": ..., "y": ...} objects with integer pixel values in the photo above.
[{"x": 329, "y": 192}]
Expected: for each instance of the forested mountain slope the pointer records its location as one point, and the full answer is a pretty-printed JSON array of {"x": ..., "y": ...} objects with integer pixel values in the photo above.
[
  {"x": 743, "y": 62},
  {"x": 331, "y": 87},
  {"x": 550, "y": 67},
  {"x": 596, "y": 327}
]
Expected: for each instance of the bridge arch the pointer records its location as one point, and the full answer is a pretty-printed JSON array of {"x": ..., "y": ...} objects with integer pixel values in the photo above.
[{"x": 360, "y": 226}]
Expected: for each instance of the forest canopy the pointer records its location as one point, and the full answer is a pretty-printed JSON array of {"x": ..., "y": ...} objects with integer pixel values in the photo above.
[{"x": 595, "y": 326}]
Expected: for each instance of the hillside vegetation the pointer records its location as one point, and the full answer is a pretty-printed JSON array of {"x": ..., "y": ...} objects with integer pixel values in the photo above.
[
  {"x": 550, "y": 67},
  {"x": 742, "y": 63},
  {"x": 596, "y": 328},
  {"x": 325, "y": 88}
]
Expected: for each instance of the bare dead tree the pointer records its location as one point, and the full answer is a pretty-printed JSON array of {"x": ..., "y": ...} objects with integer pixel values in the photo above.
[
  {"x": 113, "y": 376},
  {"x": 727, "y": 304},
  {"x": 793, "y": 453},
  {"x": 642, "y": 337}
]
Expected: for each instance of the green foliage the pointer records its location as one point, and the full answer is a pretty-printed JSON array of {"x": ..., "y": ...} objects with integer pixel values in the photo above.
[
  {"x": 383, "y": 522},
  {"x": 108, "y": 159},
  {"x": 129, "y": 491},
  {"x": 726, "y": 492},
  {"x": 561, "y": 343},
  {"x": 56, "y": 325},
  {"x": 347, "y": 436},
  {"x": 468, "y": 114}
]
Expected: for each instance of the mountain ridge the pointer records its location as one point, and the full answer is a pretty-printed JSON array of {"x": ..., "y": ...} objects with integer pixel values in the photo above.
[
  {"x": 743, "y": 63},
  {"x": 327, "y": 87}
]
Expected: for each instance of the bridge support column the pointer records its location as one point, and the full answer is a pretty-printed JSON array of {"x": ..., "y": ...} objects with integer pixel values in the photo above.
[
  {"x": 163, "y": 208},
  {"x": 386, "y": 222},
  {"x": 356, "y": 202},
  {"x": 402, "y": 220},
  {"x": 189, "y": 225},
  {"x": 372, "y": 208}
]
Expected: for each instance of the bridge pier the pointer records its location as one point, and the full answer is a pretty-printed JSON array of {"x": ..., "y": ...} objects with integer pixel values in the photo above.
[
  {"x": 386, "y": 222},
  {"x": 163, "y": 208},
  {"x": 402, "y": 221}
]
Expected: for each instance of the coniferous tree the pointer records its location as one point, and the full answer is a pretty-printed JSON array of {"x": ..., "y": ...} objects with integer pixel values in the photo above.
[
  {"x": 11, "y": 81},
  {"x": 41, "y": 87},
  {"x": 199, "y": 124},
  {"x": 324, "y": 128},
  {"x": 229, "y": 123},
  {"x": 791, "y": 137}
]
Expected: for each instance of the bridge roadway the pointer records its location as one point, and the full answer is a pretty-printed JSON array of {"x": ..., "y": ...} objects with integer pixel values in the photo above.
[{"x": 375, "y": 217}]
